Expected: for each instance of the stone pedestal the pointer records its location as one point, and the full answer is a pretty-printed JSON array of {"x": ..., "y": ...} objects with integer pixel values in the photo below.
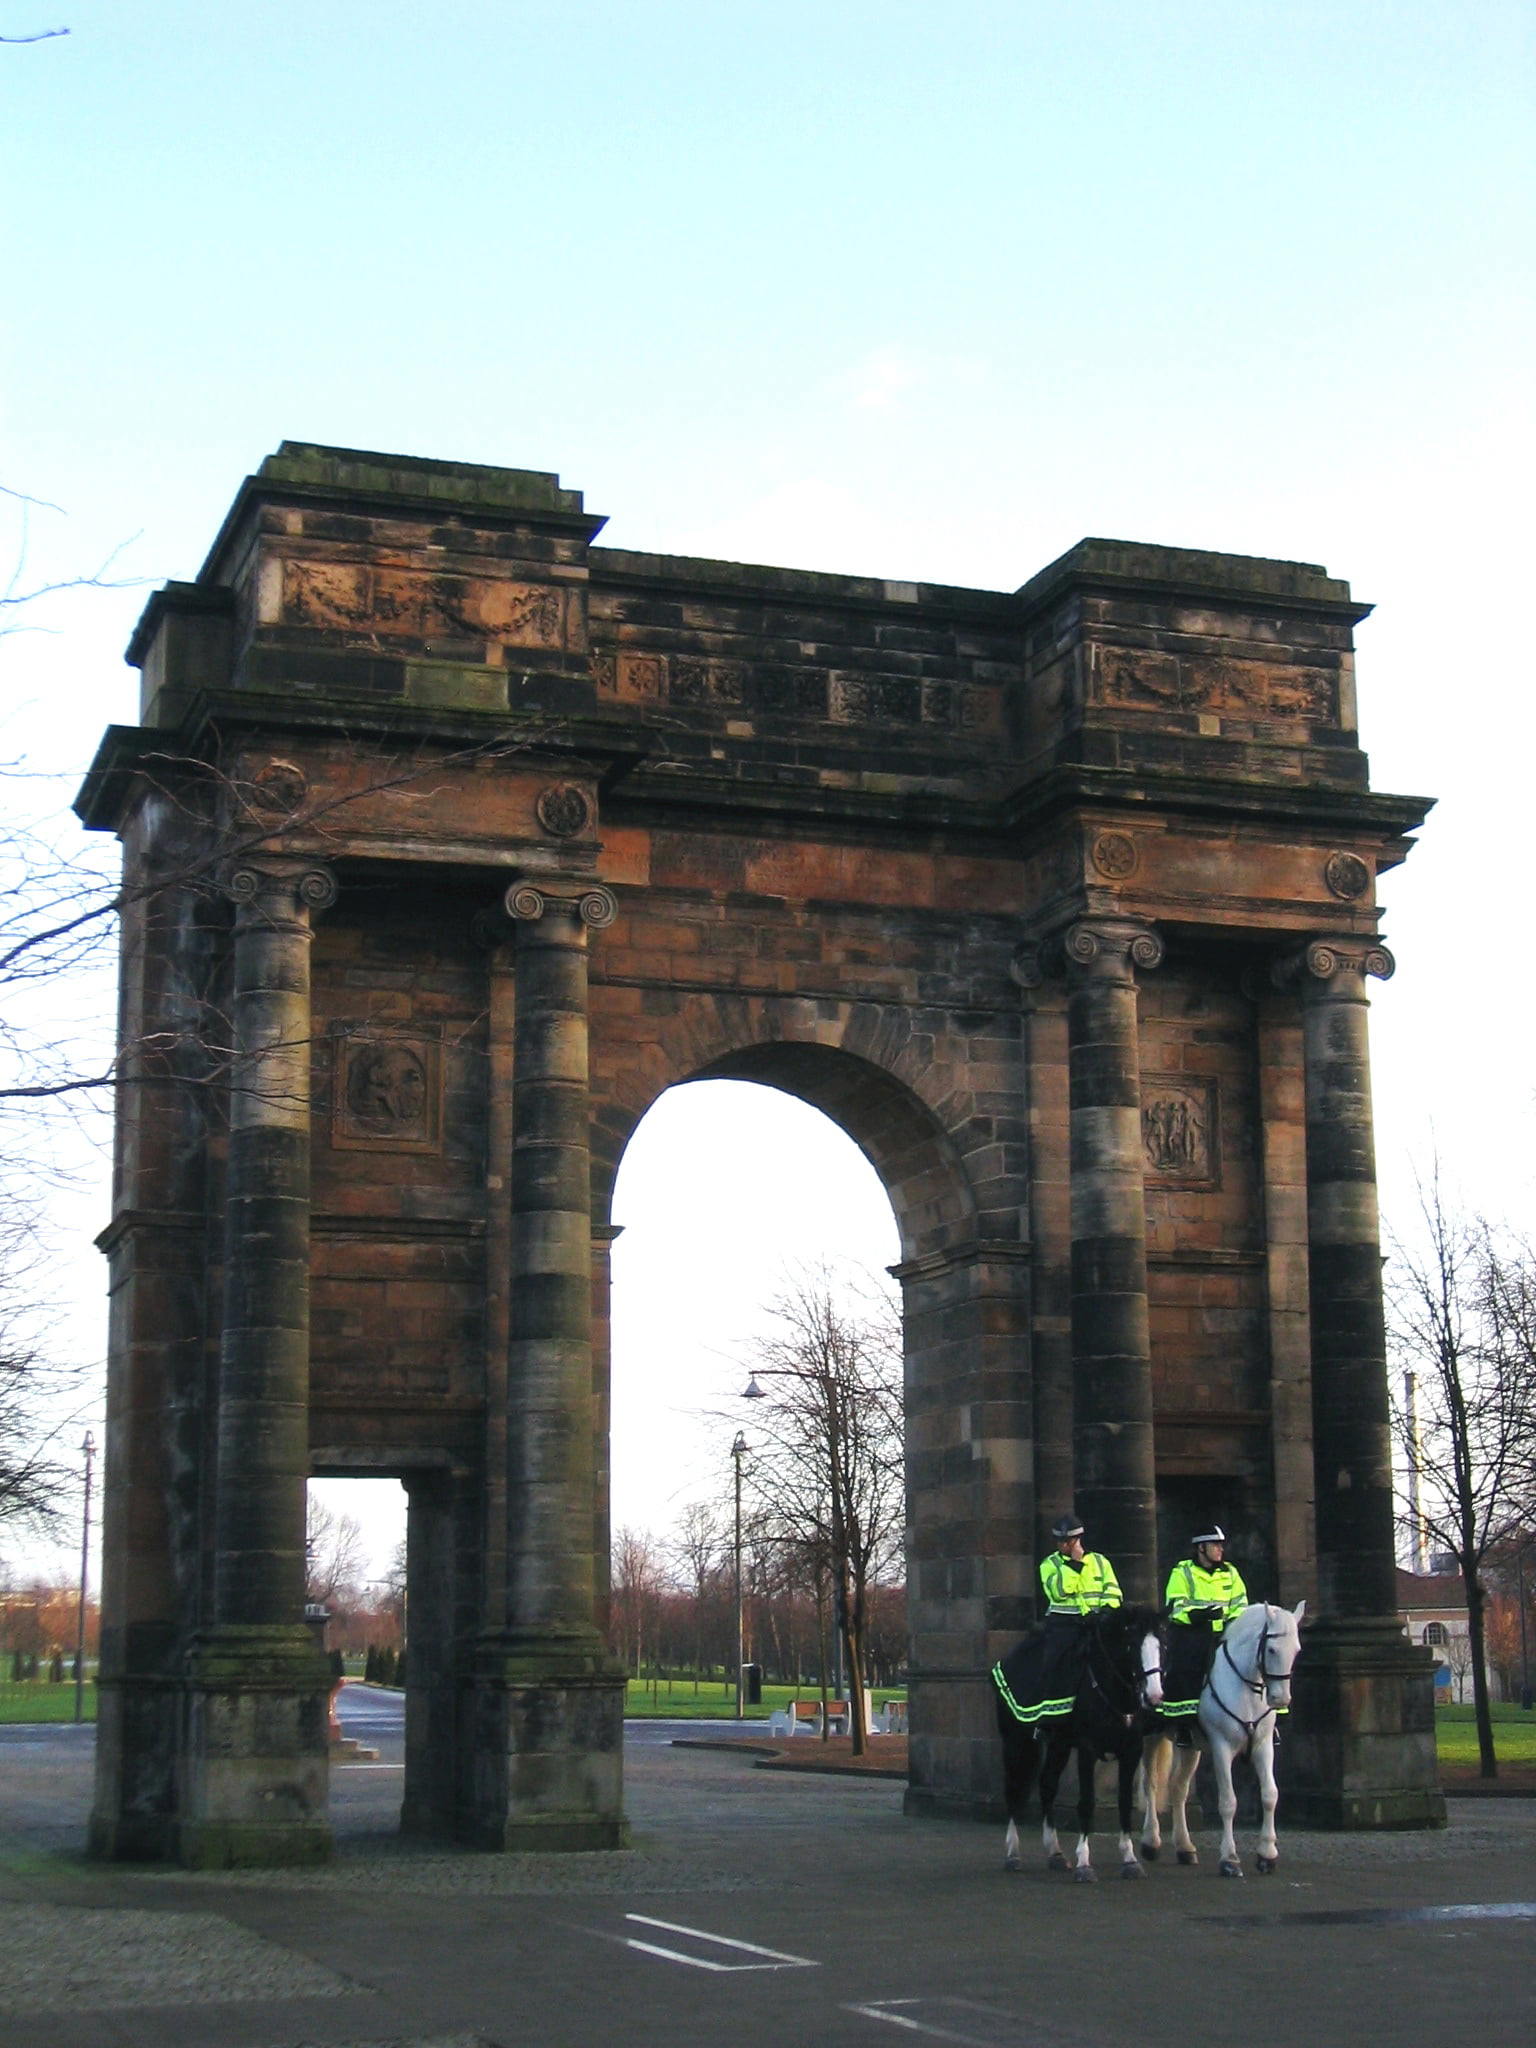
[
  {"x": 549, "y": 1697},
  {"x": 1359, "y": 1744}
]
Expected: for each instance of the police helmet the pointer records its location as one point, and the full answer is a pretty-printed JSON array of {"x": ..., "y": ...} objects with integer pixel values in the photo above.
[
  {"x": 1064, "y": 1530},
  {"x": 1215, "y": 1534}
]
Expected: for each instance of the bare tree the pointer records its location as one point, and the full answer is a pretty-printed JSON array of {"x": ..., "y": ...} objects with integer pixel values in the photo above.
[
  {"x": 39, "y": 1397},
  {"x": 827, "y": 1468},
  {"x": 335, "y": 1556},
  {"x": 697, "y": 1550},
  {"x": 1461, "y": 1302},
  {"x": 637, "y": 1586}
]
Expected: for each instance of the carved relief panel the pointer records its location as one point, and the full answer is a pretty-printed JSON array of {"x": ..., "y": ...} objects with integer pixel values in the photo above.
[
  {"x": 1179, "y": 1135},
  {"x": 386, "y": 1089}
]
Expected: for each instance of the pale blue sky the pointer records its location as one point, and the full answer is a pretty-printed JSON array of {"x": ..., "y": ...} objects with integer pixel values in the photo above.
[{"x": 928, "y": 291}]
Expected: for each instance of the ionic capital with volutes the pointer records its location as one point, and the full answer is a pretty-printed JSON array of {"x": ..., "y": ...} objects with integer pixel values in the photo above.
[
  {"x": 1113, "y": 949},
  {"x": 1333, "y": 964},
  {"x": 277, "y": 890},
  {"x": 553, "y": 901}
]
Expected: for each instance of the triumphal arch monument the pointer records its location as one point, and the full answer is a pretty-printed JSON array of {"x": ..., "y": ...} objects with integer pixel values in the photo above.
[{"x": 452, "y": 839}]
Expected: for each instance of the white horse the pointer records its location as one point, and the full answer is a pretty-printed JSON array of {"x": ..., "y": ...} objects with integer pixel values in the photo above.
[{"x": 1249, "y": 1682}]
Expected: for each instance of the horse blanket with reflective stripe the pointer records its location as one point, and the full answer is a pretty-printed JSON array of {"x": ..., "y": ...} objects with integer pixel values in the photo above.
[
  {"x": 1191, "y": 1645},
  {"x": 1038, "y": 1679}
]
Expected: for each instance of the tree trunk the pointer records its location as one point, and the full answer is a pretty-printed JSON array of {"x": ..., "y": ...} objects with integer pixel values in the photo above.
[{"x": 1487, "y": 1761}]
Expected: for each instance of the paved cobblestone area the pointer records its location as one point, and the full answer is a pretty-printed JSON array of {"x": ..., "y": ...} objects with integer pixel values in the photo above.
[{"x": 754, "y": 1907}]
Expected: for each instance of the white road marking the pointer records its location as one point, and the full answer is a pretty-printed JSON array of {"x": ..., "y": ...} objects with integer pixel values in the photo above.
[
  {"x": 890, "y": 2010},
  {"x": 772, "y": 1958}
]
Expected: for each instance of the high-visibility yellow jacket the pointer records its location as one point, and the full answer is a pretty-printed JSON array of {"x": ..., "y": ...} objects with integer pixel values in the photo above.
[
  {"x": 1078, "y": 1585},
  {"x": 1192, "y": 1590}
]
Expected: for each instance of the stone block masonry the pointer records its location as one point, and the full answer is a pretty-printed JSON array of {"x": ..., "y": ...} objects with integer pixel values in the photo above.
[{"x": 454, "y": 839}]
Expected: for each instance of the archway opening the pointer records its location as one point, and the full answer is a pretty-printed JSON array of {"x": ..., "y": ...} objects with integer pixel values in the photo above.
[
  {"x": 357, "y": 1599},
  {"x": 729, "y": 1191}
]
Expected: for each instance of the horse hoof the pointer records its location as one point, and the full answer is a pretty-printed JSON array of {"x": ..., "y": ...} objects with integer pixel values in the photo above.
[
  {"x": 1012, "y": 1863},
  {"x": 1132, "y": 1869},
  {"x": 1086, "y": 1875},
  {"x": 1266, "y": 1864},
  {"x": 1189, "y": 1856},
  {"x": 1231, "y": 1870},
  {"x": 1058, "y": 1862},
  {"x": 1148, "y": 1853}
]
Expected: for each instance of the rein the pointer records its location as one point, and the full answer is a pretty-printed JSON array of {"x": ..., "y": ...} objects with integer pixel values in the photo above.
[{"x": 1135, "y": 1688}]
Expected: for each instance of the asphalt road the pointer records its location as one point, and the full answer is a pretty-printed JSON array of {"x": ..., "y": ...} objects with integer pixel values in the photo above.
[{"x": 753, "y": 1908}]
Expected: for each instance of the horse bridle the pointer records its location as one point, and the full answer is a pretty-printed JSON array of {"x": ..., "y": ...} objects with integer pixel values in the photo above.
[
  {"x": 1137, "y": 1688},
  {"x": 1259, "y": 1684}
]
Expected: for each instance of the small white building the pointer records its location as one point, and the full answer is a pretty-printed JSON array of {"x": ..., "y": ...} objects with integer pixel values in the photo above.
[{"x": 1433, "y": 1605}]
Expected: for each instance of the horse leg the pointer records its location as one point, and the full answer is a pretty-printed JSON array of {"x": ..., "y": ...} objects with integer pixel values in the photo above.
[
  {"x": 1267, "y": 1854},
  {"x": 1020, "y": 1751},
  {"x": 1222, "y": 1753},
  {"x": 1128, "y": 1760},
  {"x": 1082, "y": 1869},
  {"x": 1050, "y": 1777},
  {"x": 1180, "y": 1777},
  {"x": 1154, "y": 1771}
]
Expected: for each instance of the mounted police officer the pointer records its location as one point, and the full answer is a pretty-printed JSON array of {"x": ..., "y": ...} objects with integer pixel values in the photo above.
[
  {"x": 1076, "y": 1583},
  {"x": 1204, "y": 1593},
  {"x": 1038, "y": 1680}
]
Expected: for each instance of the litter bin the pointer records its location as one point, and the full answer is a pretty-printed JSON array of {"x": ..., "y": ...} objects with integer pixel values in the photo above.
[{"x": 752, "y": 1685}]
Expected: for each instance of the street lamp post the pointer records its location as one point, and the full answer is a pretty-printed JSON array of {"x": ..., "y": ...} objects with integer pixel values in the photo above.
[
  {"x": 89, "y": 1449},
  {"x": 738, "y": 1452},
  {"x": 1525, "y": 1658}
]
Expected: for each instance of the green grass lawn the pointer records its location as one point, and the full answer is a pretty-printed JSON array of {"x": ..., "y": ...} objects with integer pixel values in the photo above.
[
  {"x": 689, "y": 1699},
  {"x": 1514, "y": 1735},
  {"x": 35, "y": 1699}
]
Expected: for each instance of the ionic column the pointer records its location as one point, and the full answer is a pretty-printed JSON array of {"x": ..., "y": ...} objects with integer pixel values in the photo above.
[
  {"x": 1115, "y": 1487},
  {"x": 257, "y": 1770},
  {"x": 1363, "y": 1749},
  {"x": 1351, "y": 1424},
  {"x": 549, "y": 1358},
  {"x": 552, "y": 1697}
]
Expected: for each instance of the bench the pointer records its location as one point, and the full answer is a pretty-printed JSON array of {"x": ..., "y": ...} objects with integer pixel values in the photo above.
[{"x": 803, "y": 1717}]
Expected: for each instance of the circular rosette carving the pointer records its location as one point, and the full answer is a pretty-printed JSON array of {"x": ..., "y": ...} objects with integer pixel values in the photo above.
[
  {"x": 524, "y": 902},
  {"x": 277, "y": 789},
  {"x": 1115, "y": 856},
  {"x": 597, "y": 909},
  {"x": 563, "y": 810},
  {"x": 1347, "y": 875}
]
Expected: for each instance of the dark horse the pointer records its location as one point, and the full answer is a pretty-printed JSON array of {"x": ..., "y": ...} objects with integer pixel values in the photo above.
[{"x": 1119, "y": 1684}]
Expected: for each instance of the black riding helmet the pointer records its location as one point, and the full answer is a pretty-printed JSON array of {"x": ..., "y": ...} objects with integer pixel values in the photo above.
[
  {"x": 1215, "y": 1534},
  {"x": 1065, "y": 1529}
]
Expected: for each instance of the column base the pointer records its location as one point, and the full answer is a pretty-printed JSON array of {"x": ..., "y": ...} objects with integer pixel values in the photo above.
[
  {"x": 254, "y": 1779},
  {"x": 138, "y": 1743},
  {"x": 548, "y": 1746},
  {"x": 1358, "y": 1747},
  {"x": 954, "y": 1758}
]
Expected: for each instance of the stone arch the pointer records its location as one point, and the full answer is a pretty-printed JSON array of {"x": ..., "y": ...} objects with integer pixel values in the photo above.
[{"x": 951, "y": 1156}]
